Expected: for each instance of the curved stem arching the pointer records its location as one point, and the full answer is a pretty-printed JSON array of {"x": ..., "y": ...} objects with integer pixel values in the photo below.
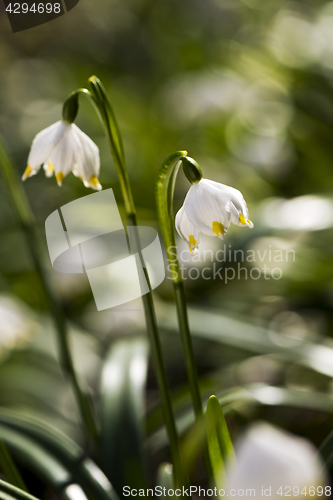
[
  {"x": 165, "y": 185},
  {"x": 101, "y": 102}
]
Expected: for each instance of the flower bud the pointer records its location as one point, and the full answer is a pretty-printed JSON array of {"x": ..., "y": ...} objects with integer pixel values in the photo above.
[
  {"x": 192, "y": 169},
  {"x": 70, "y": 108}
]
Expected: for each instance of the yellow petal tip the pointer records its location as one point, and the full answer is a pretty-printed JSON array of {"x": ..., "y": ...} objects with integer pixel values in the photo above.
[
  {"x": 246, "y": 222},
  {"x": 242, "y": 219},
  {"x": 218, "y": 228},
  {"x": 193, "y": 243},
  {"x": 94, "y": 182},
  {"x": 60, "y": 177},
  {"x": 27, "y": 173}
]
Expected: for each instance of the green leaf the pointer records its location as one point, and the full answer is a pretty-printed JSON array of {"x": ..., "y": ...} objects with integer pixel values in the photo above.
[
  {"x": 121, "y": 409},
  {"x": 245, "y": 335},
  {"x": 84, "y": 470},
  {"x": 10, "y": 492},
  {"x": 220, "y": 448},
  {"x": 238, "y": 397},
  {"x": 9, "y": 468},
  {"x": 36, "y": 458}
]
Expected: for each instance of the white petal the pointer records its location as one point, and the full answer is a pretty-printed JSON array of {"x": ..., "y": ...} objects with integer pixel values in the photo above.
[
  {"x": 187, "y": 230},
  {"x": 90, "y": 161},
  {"x": 43, "y": 144},
  {"x": 268, "y": 457},
  {"x": 63, "y": 155},
  {"x": 208, "y": 208},
  {"x": 234, "y": 192},
  {"x": 238, "y": 209},
  {"x": 87, "y": 160},
  {"x": 48, "y": 168},
  {"x": 62, "y": 148},
  {"x": 76, "y": 171}
]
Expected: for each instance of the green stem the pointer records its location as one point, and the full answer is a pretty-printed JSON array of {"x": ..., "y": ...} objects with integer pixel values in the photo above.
[
  {"x": 27, "y": 223},
  {"x": 159, "y": 368},
  {"x": 116, "y": 146},
  {"x": 9, "y": 468},
  {"x": 164, "y": 200},
  {"x": 186, "y": 338},
  {"x": 114, "y": 140}
]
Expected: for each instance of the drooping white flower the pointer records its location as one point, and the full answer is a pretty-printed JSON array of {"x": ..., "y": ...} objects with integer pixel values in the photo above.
[
  {"x": 209, "y": 208},
  {"x": 273, "y": 460},
  {"x": 63, "y": 148}
]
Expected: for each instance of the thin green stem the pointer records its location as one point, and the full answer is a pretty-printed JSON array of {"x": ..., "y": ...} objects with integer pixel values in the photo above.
[
  {"x": 27, "y": 223},
  {"x": 116, "y": 147},
  {"x": 159, "y": 367},
  {"x": 164, "y": 200},
  {"x": 9, "y": 468},
  {"x": 190, "y": 364},
  {"x": 102, "y": 105},
  {"x": 188, "y": 347},
  {"x": 115, "y": 141}
]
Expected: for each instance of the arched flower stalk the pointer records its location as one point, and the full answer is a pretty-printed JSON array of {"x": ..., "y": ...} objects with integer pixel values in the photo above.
[
  {"x": 101, "y": 102},
  {"x": 86, "y": 165},
  {"x": 208, "y": 208}
]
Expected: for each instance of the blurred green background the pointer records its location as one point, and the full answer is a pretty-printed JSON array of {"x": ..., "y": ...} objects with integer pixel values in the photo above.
[{"x": 246, "y": 87}]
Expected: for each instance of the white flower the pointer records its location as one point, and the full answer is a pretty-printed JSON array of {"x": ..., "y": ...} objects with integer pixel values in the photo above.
[
  {"x": 209, "y": 207},
  {"x": 269, "y": 458},
  {"x": 62, "y": 148}
]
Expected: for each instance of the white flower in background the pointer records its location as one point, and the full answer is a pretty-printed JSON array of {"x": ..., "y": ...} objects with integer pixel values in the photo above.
[
  {"x": 272, "y": 459},
  {"x": 209, "y": 207},
  {"x": 63, "y": 148},
  {"x": 17, "y": 325}
]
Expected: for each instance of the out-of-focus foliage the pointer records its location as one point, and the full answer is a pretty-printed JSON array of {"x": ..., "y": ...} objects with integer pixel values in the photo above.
[{"x": 246, "y": 87}]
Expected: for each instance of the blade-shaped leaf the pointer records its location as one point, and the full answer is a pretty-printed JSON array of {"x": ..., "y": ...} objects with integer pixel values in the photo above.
[
  {"x": 9, "y": 469},
  {"x": 121, "y": 409},
  {"x": 36, "y": 458},
  {"x": 84, "y": 470},
  {"x": 40, "y": 461},
  {"x": 10, "y": 492},
  {"x": 249, "y": 337},
  {"x": 259, "y": 394},
  {"x": 220, "y": 448}
]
